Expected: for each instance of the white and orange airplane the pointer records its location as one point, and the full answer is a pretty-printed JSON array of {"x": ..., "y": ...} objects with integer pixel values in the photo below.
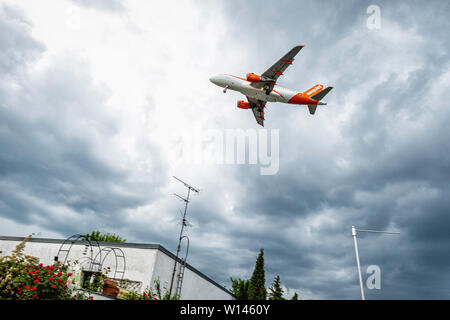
[{"x": 262, "y": 89}]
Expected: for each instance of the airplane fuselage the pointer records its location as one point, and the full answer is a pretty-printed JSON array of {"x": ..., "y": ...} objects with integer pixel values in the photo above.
[{"x": 278, "y": 94}]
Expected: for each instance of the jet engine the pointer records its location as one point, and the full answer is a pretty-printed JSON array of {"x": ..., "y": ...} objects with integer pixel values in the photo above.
[
  {"x": 243, "y": 105},
  {"x": 253, "y": 77}
]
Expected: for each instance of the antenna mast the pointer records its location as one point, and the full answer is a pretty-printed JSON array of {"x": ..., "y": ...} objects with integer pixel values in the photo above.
[{"x": 183, "y": 224}]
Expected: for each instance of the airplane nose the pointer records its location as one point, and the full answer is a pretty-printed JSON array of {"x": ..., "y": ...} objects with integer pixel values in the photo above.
[
  {"x": 213, "y": 79},
  {"x": 217, "y": 80}
]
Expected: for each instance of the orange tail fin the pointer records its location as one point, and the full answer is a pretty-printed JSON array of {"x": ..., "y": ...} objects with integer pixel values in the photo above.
[{"x": 314, "y": 90}]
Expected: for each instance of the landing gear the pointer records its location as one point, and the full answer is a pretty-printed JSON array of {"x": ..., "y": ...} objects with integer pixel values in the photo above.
[
  {"x": 267, "y": 89},
  {"x": 225, "y": 90}
]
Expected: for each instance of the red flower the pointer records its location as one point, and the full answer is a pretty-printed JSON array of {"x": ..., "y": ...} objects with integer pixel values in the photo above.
[
  {"x": 50, "y": 278},
  {"x": 69, "y": 274},
  {"x": 27, "y": 287},
  {"x": 36, "y": 281},
  {"x": 60, "y": 274},
  {"x": 40, "y": 264},
  {"x": 34, "y": 288},
  {"x": 53, "y": 286},
  {"x": 30, "y": 272},
  {"x": 35, "y": 296},
  {"x": 37, "y": 271}
]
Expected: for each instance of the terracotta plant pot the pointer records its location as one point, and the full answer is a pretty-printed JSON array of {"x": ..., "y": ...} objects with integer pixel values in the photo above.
[{"x": 110, "y": 288}]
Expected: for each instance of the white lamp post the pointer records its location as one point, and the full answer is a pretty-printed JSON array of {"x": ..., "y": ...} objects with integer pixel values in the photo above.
[{"x": 354, "y": 230}]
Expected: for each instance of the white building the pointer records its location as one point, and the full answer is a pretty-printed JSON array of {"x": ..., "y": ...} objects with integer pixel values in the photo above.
[{"x": 141, "y": 264}]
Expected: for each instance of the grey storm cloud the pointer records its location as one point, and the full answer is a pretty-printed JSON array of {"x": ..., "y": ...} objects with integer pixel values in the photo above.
[
  {"x": 396, "y": 141},
  {"x": 385, "y": 165},
  {"x": 17, "y": 46},
  {"x": 52, "y": 128}
]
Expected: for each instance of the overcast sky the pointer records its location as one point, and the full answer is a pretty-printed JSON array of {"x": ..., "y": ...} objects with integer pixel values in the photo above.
[{"x": 96, "y": 95}]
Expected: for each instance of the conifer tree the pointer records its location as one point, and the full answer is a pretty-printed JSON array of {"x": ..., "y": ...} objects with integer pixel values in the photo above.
[
  {"x": 295, "y": 297},
  {"x": 257, "y": 289},
  {"x": 276, "y": 292}
]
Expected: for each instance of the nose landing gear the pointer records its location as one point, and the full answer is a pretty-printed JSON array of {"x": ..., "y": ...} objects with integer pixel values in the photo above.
[{"x": 225, "y": 90}]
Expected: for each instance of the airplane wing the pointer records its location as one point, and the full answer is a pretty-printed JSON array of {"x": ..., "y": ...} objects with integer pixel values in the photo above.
[
  {"x": 257, "y": 107},
  {"x": 275, "y": 71}
]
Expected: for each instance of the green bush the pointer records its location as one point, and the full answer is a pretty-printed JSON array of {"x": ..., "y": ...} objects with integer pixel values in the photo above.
[{"x": 148, "y": 294}]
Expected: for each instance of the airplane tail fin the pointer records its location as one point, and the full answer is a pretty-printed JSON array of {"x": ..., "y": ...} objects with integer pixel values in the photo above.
[{"x": 318, "y": 96}]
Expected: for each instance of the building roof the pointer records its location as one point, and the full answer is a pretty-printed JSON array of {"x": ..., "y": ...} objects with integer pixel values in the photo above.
[{"x": 121, "y": 245}]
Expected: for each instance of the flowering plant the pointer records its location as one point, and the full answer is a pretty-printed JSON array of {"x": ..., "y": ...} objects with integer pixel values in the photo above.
[
  {"x": 146, "y": 295},
  {"x": 43, "y": 282},
  {"x": 22, "y": 277}
]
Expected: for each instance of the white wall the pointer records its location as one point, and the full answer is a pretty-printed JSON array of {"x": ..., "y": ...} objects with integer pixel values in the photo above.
[
  {"x": 46, "y": 252},
  {"x": 195, "y": 287}
]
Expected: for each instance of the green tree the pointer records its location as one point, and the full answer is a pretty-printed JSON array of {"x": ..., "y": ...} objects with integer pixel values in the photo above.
[
  {"x": 257, "y": 289},
  {"x": 97, "y": 236},
  {"x": 240, "y": 288},
  {"x": 295, "y": 297},
  {"x": 276, "y": 291}
]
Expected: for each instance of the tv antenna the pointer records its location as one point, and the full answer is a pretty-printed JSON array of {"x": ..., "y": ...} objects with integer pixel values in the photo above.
[{"x": 184, "y": 223}]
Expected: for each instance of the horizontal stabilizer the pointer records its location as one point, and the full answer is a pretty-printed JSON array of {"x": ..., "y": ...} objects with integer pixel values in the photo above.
[
  {"x": 312, "y": 109},
  {"x": 321, "y": 94}
]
